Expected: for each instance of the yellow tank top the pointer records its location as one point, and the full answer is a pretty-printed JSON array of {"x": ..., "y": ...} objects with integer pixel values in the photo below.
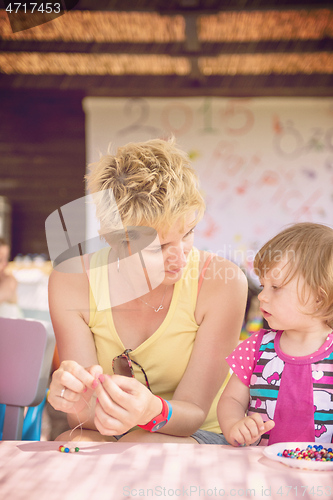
[{"x": 164, "y": 355}]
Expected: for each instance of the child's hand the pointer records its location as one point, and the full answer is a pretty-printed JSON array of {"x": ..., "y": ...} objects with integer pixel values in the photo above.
[{"x": 248, "y": 430}]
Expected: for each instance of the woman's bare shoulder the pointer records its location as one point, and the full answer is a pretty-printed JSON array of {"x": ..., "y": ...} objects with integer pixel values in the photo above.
[
  {"x": 67, "y": 280},
  {"x": 220, "y": 268},
  {"x": 221, "y": 276},
  {"x": 223, "y": 283},
  {"x": 70, "y": 289},
  {"x": 203, "y": 256}
]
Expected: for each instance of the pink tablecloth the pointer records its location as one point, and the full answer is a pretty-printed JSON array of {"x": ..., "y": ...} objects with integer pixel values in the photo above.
[{"x": 37, "y": 470}]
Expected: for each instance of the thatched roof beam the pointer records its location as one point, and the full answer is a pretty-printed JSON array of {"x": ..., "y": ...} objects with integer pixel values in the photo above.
[{"x": 177, "y": 49}]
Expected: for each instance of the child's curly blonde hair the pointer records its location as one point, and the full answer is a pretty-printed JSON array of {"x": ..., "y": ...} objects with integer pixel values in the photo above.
[
  {"x": 308, "y": 248},
  {"x": 145, "y": 184}
]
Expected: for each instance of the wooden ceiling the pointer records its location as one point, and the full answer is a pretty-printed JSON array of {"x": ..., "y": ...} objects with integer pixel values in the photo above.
[{"x": 175, "y": 48}]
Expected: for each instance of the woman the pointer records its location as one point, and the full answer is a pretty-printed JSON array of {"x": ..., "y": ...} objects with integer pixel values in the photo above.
[{"x": 178, "y": 336}]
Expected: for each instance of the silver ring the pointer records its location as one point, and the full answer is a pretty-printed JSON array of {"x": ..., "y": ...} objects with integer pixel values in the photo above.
[{"x": 62, "y": 393}]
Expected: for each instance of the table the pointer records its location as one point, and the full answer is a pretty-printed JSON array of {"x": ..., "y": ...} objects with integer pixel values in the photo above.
[{"x": 107, "y": 471}]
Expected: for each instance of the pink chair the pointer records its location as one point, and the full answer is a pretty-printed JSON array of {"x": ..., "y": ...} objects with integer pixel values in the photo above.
[{"x": 26, "y": 352}]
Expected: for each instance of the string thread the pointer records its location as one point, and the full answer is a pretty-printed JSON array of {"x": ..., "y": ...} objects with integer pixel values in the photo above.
[{"x": 80, "y": 424}]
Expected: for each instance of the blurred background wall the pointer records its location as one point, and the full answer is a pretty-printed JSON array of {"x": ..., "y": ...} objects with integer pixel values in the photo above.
[
  {"x": 263, "y": 162},
  {"x": 133, "y": 51},
  {"x": 42, "y": 159}
]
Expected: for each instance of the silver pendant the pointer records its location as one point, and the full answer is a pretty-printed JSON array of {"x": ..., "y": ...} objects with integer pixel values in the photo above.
[{"x": 159, "y": 308}]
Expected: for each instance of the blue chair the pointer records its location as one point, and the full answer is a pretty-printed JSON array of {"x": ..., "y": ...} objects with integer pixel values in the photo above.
[
  {"x": 32, "y": 423},
  {"x": 26, "y": 352},
  {"x": 2, "y": 418}
]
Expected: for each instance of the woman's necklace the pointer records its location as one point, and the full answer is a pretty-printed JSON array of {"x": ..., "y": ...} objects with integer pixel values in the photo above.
[
  {"x": 156, "y": 309},
  {"x": 160, "y": 307}
]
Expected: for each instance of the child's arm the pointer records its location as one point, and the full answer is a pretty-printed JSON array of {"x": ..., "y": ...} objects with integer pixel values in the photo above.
[{"x": 236, "y": 427}]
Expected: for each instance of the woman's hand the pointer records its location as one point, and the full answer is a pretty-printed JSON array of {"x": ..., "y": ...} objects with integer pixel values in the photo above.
[
  {"x": 122, "y": 403},
  {"x": 248, "y": 430},
  {"x": 72, "y": 386}
]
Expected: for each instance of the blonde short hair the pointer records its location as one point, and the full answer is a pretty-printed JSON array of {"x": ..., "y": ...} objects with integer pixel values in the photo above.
[
  {"x": 308, "y": 248},
  {"x": 153, "y": 184}
]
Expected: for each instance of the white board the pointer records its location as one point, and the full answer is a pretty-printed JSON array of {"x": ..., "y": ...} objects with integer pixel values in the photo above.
[{"x": 263, "y": 163}]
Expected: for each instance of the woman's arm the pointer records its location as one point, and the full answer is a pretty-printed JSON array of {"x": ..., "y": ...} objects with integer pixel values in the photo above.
[
  {"x": 124, "y": 403},
  {"x": 219, "y": 312},
  {"x": 69, "y": 309}
]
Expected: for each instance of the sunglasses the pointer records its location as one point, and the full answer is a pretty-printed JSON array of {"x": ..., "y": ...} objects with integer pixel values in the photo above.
[{"x": 122, "y": 365}]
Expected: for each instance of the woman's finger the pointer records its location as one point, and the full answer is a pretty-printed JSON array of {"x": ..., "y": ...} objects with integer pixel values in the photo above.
[
  {"x": 69, "y": 384},
  {"x": 69, "y": 395},
  {"x": 65, "y": 380},
  {"x": 77, "y": 371},
  {"x": 124, "y": 401},
  {"x": 109, "y": 406},
  {"x": 108, "y": 426},
  {"x": 116, "y": 403},
  {"x": 95, "y": 371},
  {"x": 121, "y": 391},
  {"x": 129, "y": 385}
]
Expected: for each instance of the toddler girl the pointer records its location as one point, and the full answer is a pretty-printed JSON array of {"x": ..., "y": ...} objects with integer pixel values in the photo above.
[{"x": 283, "y": 377}]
